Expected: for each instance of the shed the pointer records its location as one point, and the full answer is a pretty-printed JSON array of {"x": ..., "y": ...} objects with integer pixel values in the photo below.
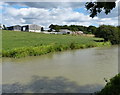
[
  {"x": 65, "y": 31},
  {"x": 14, "y": 28},
  {"x": 31, "y": 28}
]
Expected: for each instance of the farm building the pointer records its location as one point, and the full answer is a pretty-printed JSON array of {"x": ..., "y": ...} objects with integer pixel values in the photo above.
[
  {"x": 78, "y": 32},
  {"x": 25, "y": 28},
  {"x": 31, "y": 28},
  {"x": 50, "y": 32},
  {"x": 14, "y": 28},
  {"x": 64, "y": 31},
  {"x": 28, "y": 28}
]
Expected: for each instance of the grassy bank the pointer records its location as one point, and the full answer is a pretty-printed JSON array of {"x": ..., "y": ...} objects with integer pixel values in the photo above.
[{"x": 21, "y": 44}]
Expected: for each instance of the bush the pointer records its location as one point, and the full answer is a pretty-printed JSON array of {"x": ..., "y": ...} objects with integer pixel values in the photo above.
[
  {"x": 112, "y": 87},
  {"x": 109, "y": 33},
  {"x": 72, "y": 45}
]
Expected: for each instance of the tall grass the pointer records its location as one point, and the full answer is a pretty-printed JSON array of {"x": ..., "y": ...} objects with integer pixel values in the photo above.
[{"x": 44, "y": 49}]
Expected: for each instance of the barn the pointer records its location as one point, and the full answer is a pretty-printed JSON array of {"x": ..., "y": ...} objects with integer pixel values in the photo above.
[
  {"x": 31, "y": 28},
  {"x": 14, "y": 28},
  {"x": 65, "y": 31}
]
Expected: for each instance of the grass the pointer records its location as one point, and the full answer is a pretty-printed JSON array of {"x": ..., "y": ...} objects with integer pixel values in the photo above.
[{"x": 21, "y": 44}]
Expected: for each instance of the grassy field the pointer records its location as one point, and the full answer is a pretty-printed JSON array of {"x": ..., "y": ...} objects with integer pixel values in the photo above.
[{"x": 13, "y": 41}]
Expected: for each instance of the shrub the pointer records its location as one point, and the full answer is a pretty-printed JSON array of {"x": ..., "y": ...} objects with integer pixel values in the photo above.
[
  {"x": 109, "y": 33},
  {"x": 112, "y": 87},
  {"x": 72, "y": 45}
]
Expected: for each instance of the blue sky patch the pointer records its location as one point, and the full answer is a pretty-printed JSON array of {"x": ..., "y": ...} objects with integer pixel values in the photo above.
[
  {"x": 17, "y": 6},
  {"x": 81, "y": 10}
]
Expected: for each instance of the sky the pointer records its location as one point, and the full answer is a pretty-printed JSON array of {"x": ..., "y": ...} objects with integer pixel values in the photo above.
[{"x": 46, "y": 13}]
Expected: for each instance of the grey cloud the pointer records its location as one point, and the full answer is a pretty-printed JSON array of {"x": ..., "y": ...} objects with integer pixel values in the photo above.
[
  {"x": 75, "y": 20},
  {"x": 48, "y": 5},
  {"x": 72, "y": 20},
  {"x": 29, "y": 18}
]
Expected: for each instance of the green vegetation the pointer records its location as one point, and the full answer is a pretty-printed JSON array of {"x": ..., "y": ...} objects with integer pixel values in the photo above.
[
  {"x": 112, "y": 87},
  {"x": 21, "y": 44},
  {"x": 98, "y": 7},
  {"x": 74, "y": 28},
  {"x": 109, "y": 33}
]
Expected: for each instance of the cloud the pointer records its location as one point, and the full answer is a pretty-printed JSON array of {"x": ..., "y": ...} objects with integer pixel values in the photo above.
[
  {"x": 45, "y": 17},
  {"x": 49, "y": 5},
  {"x": 109, "y": 21},
  {"x": 54, "y": 15}
]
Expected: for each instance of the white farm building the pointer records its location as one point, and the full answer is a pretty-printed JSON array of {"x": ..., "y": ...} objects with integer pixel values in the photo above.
[
  {"x": 31, "y": 28},
  {"x": 27, "y": 28},
  {"x": 64, "y": 31}
]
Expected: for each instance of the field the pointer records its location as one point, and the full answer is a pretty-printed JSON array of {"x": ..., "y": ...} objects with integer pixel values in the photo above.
[{"x": 13, "y": 42}]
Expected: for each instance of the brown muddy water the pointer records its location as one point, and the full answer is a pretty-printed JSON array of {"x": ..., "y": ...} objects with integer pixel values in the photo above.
[{"x": 75, "y": 71}]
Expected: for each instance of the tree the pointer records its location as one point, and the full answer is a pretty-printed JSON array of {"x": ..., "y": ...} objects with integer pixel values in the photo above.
[
  {"x": 109, "y": 33},
  {"x": 51, "y": 27},
  {"x": 112, "y": 87},
  {"x": 54, "y": 27},
  {"x": 73, "y": 28},
  {"x": 64, "y": 27},
  {"x": 97, "y": 7},
  {"x": 92, "y": 29}
]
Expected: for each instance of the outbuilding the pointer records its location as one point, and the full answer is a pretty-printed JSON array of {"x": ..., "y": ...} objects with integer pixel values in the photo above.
[
  {"x": 14, "y": 28},
  {"x": 64, "y": 31},
  {"x": 31, "y": 28}
]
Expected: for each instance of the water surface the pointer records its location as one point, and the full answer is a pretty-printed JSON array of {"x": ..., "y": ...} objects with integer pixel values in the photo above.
[{"x": 77, "y": 71}]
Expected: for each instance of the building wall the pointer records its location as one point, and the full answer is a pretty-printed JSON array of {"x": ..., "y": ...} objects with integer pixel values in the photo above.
[
  {"x": 65, "y": 31},
  {"x": 34, "y": 28},
  {"x": 10, "y": 28},
  {"x": 17, "y": 28},
  {"x": 14, "y": 28},
  {"x": 27, "y": 28}
]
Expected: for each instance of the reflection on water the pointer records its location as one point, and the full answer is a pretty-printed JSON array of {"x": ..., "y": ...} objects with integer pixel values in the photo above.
[
  {"x": 79, "y": 70},
  {"x": 46, "y": 85}
]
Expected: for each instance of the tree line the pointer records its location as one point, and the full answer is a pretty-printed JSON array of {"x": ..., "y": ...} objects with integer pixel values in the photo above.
[
  {"x": 87, "y": 30},
  {"x": 108, "y": 32}
]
